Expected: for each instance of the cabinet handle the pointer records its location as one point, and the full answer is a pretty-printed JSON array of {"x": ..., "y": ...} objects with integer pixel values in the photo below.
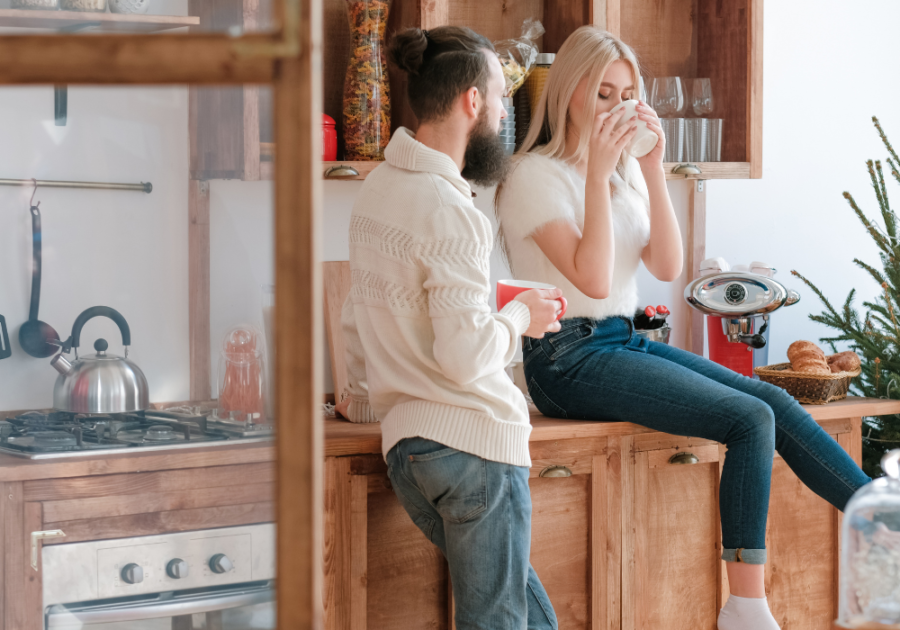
[
  {"x": 341, "y": 172},
  {"x": 684, "y": 458},
  {"x": 556, "y": 471},
  {"x": 687, "y": 169}
]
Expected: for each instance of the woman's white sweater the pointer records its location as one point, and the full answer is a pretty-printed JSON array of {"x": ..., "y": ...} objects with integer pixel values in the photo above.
[
  {"x": 425, "y": 355},
  {"x": 542, "y": 190}
]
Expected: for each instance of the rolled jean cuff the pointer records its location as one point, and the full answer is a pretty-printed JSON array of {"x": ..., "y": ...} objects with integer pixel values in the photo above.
[{"x": 747, "y": 556}]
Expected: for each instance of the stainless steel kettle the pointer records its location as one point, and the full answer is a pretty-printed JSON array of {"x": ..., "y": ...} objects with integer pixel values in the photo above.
[{"x": 102, "y": 383}]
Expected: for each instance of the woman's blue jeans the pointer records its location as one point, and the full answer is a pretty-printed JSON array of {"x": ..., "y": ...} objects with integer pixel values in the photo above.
[
  {"x": 600, "y": 370},
  {"x": 478, "y": 513}
]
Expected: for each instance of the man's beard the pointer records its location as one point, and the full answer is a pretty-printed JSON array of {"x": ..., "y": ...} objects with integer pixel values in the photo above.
[{"x": 486, "y": 161}]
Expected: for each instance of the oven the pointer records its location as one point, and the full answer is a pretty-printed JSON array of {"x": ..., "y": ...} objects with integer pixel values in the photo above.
[{"x": 217, "y": 579}]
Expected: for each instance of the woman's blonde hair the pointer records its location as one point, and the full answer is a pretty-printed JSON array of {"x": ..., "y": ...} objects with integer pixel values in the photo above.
[{"x": 588, "y": 52}]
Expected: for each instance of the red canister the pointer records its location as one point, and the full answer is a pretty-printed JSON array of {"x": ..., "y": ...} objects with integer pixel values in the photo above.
[{"x": 329, "y": 139}]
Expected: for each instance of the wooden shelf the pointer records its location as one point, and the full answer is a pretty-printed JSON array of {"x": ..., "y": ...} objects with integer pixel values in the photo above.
[
  {"x": 102, "y": 22},
  {"x": 267, "y": 166},
  {"x": 711, "y": 170}
]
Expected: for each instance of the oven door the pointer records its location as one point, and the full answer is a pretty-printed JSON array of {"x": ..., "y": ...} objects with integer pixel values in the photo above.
[{"x": 238, "y": 607}]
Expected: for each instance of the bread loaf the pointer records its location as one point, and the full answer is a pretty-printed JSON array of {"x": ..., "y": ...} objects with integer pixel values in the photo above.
[
  {"x": 807, "y": 357},
  {"x": 844, "y": 362}
]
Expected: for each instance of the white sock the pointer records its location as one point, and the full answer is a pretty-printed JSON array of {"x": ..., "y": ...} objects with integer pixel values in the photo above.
[{"x": 746, "y": 613}]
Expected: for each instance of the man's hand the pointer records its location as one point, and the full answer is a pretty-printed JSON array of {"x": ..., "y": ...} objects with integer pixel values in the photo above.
[{"x": 545, "y": 306}]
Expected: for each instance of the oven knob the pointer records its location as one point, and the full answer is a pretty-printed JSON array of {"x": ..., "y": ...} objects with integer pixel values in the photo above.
[
  {"x": 177, "y": 568},
  {"x": 132, "y": 574},
  {"x": 220, "y": 563}
]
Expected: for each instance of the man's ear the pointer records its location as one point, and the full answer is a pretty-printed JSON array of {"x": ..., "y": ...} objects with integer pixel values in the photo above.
[{"x": 471, "y": 100}]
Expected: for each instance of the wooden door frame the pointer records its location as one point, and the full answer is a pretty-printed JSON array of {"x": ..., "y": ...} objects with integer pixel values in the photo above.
[{"x": 290, "y": 60}]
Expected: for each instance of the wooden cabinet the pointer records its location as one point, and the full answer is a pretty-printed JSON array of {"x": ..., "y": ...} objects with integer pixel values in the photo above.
[
  {"x": 625, "y": 539},
  {"x": 687, "y": 38}
]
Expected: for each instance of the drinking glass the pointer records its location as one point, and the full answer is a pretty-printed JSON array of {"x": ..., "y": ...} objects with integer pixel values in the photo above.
[
  {"x": 701, "y": 97},
  {"x": 645, "y": 91},
  {"x": 668, "y": 97}
]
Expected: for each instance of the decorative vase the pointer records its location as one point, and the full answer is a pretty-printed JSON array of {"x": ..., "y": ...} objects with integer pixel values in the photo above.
[
  {"x": 129, "y": 6},
  {"x": 367, "y": 102}
]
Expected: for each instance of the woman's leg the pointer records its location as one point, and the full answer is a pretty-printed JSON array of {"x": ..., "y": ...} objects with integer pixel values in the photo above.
[
  {"x": 652, "y": 391},
  {"x": 814, "y": 456}
]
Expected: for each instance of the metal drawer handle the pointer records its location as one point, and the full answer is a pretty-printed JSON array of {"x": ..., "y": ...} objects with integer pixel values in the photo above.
[
  {"x": 556, "y": 471},
  {"x": 341, "y": 172},
  {"x": 687, "y": 169},
  {"x": 684, "y": 458}
]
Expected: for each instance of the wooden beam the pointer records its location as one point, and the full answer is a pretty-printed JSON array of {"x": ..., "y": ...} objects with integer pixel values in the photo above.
[
  {"x": 696, "y": 252},
  {"x": 134, "y": 59},
  {"x": 298, "y": 327},
  {"x": 755, "y": 91},
  {"x": 198, "y": 289}
]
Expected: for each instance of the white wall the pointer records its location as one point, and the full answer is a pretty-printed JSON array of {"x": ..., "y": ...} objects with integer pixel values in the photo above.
[
  {"x": 126, "y": 250},
  {"x": 827, "y": 71}
]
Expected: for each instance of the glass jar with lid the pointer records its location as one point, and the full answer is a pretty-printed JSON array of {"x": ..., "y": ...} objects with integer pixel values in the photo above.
[{"x": 870, "y": 558}]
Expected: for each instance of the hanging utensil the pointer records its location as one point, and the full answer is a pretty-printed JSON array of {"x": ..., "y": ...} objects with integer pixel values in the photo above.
[
  {"x": 5, "y": 350},
  {"x": 38, "y": 339}
]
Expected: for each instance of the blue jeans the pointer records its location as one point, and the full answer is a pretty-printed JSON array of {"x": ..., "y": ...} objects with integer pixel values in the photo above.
[
  {"x": 478, "y": 513},
  {"x": 600, "y": 370}
]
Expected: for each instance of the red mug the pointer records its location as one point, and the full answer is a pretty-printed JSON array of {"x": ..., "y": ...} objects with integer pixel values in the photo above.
[{"x": 507, "y": 290}]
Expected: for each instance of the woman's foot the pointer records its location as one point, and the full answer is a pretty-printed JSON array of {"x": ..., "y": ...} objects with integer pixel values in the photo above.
[{"x": 747, "y": 613}]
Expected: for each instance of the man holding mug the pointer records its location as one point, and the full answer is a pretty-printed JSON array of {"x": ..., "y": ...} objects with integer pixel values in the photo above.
[{"x": 425, "y": 355}]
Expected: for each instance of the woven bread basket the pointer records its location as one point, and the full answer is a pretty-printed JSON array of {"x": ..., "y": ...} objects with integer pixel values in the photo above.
[{"x": 811, "y": 389}]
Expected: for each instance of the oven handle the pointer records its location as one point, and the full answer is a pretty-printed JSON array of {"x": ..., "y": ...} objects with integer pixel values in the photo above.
[{"x": 59, "y": 617}]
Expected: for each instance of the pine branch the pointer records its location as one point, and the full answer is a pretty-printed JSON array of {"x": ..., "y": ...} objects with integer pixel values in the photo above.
[
  {"x": 885, "y": 140},
  {"x": 873, "y": 231}
]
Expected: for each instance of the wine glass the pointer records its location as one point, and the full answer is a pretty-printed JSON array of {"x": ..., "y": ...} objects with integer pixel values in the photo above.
[
  {"x": 701, "y": 97},
  {"x": 668, "y": 97}
]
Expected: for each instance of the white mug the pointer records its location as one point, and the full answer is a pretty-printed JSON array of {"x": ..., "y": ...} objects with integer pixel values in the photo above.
[{"x": 644, "y": 139}]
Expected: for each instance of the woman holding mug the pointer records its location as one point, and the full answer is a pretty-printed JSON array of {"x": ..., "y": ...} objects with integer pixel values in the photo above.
[{"x": 577, "y": 211}]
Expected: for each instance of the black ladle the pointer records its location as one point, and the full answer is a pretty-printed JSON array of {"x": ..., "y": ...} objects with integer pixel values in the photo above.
[{"x": 37, "y": 338}]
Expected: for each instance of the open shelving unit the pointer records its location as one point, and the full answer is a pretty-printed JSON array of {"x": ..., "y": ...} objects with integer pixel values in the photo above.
[{"x": 96, "y": 22}]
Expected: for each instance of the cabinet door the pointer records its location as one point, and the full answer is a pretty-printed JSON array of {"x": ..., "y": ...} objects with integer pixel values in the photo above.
[
  {"x": 803, "y": 540},
  {"x": 568, "y": 521},
  {"x": 381, "y": 572},
  {"x": 670, "y": 534}
]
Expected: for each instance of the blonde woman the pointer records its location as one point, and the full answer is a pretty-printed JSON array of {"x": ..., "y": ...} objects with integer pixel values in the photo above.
[{"x": 577, "y": 212}]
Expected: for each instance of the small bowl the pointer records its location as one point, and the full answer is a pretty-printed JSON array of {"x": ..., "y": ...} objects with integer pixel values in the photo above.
[{"x": 657, "y": 334}]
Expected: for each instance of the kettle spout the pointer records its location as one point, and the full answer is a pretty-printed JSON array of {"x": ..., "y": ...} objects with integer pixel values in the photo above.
[{"x": 61, "y": 364}]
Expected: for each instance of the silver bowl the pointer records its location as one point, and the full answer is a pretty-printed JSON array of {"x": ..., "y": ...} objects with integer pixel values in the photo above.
[{"x": 657, "y": 334}]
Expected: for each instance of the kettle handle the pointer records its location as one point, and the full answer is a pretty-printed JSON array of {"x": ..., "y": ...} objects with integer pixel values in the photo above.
[{"x": 97, "y": 311}]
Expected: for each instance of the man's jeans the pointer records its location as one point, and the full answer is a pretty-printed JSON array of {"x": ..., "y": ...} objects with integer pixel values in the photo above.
[
  {"x": 478, "y": 513},
  {"x": 600, "y": 370}
]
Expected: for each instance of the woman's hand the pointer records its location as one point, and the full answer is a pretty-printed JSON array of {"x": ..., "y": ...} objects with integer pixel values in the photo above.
[
  {"x": 342, "y": 408},
  {"x": 654, "y": 159},
  {"x": 607, "y": 143}
]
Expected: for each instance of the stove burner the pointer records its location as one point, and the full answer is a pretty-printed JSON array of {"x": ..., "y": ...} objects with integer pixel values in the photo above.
[{"x": 160, "y": 433}]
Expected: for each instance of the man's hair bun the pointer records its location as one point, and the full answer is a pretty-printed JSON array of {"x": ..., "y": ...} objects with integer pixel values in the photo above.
[{"x": 407, "y": 50}]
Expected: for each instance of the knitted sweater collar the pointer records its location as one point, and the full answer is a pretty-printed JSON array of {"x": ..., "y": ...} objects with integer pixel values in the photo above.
[{"x": 405, "y": 152}]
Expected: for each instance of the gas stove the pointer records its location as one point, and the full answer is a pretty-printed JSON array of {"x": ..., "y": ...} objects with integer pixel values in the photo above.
[{"x": 39, "y": 435}]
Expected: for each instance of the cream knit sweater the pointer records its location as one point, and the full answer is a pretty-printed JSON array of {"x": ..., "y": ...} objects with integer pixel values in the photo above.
[{"x": 425, "y": 355}]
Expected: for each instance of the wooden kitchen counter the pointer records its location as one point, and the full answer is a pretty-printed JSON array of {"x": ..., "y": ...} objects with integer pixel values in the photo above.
[{"x": 346, "y": 438}]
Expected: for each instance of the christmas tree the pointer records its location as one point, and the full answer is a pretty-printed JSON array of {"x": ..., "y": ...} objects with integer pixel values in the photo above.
[{"x": 874, "y": 336}]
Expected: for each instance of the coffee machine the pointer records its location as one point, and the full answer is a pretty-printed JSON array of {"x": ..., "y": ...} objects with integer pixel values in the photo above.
[{"x": 738, "y": 304}]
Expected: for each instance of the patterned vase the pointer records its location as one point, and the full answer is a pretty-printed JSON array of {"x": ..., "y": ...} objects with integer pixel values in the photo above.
[{"x": 367, "y": 102}]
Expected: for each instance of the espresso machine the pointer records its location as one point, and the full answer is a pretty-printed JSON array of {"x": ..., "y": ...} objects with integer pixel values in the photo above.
[{"x": 738, "y": 304}]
